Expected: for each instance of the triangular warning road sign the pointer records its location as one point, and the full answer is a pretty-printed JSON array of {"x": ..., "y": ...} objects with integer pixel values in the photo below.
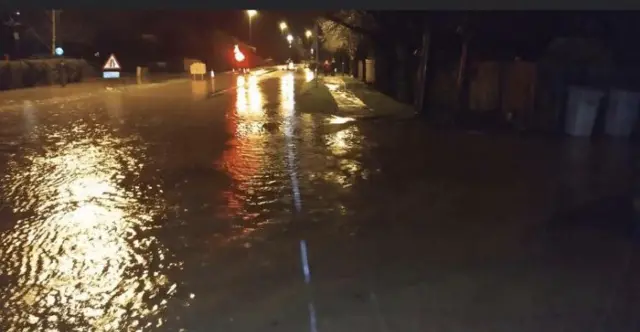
[{"x": 112, "y": 63}]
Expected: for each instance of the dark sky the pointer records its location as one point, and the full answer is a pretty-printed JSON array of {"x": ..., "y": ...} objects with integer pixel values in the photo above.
[
  {"x": 94, "y": 26},
  {"x": 265, "y": 26},
  {"x": 527, "y": 29}
]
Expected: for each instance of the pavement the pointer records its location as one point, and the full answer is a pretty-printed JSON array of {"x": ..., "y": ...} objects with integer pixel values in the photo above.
[
  {"x": 182, "y": 206},
  {"x": 350, "y": 97}
]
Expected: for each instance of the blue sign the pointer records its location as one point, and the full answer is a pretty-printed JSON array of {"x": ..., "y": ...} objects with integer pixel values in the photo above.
[
  {"x": 59, "y": 51},
  {"x": 111, "y": 74}
]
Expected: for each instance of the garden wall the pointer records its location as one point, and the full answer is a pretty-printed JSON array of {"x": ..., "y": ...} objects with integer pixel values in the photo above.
[{"x": 38, "y": 72}]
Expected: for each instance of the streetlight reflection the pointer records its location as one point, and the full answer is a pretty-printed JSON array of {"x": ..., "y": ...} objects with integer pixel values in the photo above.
[
  {"x": 198, "y": 89},
  {"x": 245, "y": 160},
  {"x": 340, "y": 120},
  {"x": 249, "y": 105},
  {"x": 308, "y": 75},
  {"x": 240, "y": 81},
  {"x": 287, "y": 97},
  {"x": 241, "y": 100},
  {"x": 81, "y": 257},
  {"x": 344, "y": 143},
  {"x": 29, "y": 112},
  {"x": 255, "y": 96},
  {"x": 287, "y": 93}
]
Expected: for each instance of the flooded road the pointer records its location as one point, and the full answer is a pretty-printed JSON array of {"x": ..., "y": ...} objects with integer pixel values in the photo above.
[
  {"x": 106, "y": 199},
  {"x": 172, "y": 209}
]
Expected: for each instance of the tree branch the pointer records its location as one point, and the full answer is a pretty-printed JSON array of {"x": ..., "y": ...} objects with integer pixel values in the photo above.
[{"x": 349, "y": 26}]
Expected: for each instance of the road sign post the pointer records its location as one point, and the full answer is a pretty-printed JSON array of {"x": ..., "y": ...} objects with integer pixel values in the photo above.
[{"x": 111, "y": 68}]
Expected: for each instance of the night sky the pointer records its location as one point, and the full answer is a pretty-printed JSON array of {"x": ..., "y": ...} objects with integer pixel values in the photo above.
[
  {"x": 178, "y": 31},
  {"x": 265, "y": 24},
  {"x": 186, "y": 32},
  {"x": 266, "y": 33}
]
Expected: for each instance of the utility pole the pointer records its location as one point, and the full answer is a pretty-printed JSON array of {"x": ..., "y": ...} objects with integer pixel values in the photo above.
[
  {"x": 348, "y": 55},
  {"x": 421, "y": 83},
  {"x": 317, "y": 35},
  {"x": 53, "y": 32}
]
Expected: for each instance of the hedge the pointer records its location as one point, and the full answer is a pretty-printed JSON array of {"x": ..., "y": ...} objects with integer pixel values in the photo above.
[{"x": 29, "y": 73}]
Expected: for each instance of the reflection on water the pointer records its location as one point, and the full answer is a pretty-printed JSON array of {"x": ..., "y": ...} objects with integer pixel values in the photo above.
[
  {"x": 82, "y": 254},
  {"x": 287, "y": 102},
  {"x": 79, "y": 257},
  {"x": 30, "y": 118},
  {"x": 198, "y": 89},
  {"x": 287, "y": 98},
  {"x": 339, "y": 120},
  {"x": 245, "y": 157},
  {"x": 341, "y": 142},
  {"x": 249, "y": 97},
  {"x": 249, "y": 106},
  {"x": 241, "y": 96},
  {"x": 240, "y": 81},
  {"x": 113, "y": 102},
  {"x": 255, "y": 96},
  {"x": 262, "y": 157},
  {"x": 308, "y": 75}
]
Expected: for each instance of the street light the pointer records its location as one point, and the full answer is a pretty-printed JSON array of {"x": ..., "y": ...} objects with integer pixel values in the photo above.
[
  {"x": 308, "y": 33},
  {"x": 251, "y": 14},
  {"x": 283, "y": 26},
  {"x": 289, "y": 38}
]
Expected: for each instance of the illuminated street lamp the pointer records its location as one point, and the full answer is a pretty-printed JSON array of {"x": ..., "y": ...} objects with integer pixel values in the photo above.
[
  {"x": 289, "y": 39},
  {"x": 251, "y": 14},
  {"x": 308, "y": 33},
  {"x": 283, "y": 26}
]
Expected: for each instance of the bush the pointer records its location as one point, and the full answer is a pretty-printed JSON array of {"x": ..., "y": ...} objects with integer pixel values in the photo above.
[{"x": 29, "y": 73}]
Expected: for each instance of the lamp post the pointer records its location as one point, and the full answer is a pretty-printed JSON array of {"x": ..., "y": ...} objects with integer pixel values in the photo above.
[
  {"x": 289, "y": 39},
  {"x": 309, "y": 34},
  {"x": 317, "y": 47},
  {"x": 251, "y": 14},
  {"x": 53, "y": 32}
]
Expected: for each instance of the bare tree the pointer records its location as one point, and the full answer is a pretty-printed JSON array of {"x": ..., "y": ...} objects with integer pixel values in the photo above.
[
  {"x": 338, "y": 36},
  {"x": 345, "y": 29}
]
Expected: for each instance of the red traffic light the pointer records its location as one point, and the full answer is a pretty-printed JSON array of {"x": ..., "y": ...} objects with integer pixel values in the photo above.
[{"x": 238, "y": 54}]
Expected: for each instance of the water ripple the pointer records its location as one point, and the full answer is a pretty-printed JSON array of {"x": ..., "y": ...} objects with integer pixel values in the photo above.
[{"x": 80, "y": 255}]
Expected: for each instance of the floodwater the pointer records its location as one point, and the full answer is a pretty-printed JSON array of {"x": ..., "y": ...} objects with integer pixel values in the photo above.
[
  {"x": 107, "y": 199},
  {"x": 172, "y": 209}
]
